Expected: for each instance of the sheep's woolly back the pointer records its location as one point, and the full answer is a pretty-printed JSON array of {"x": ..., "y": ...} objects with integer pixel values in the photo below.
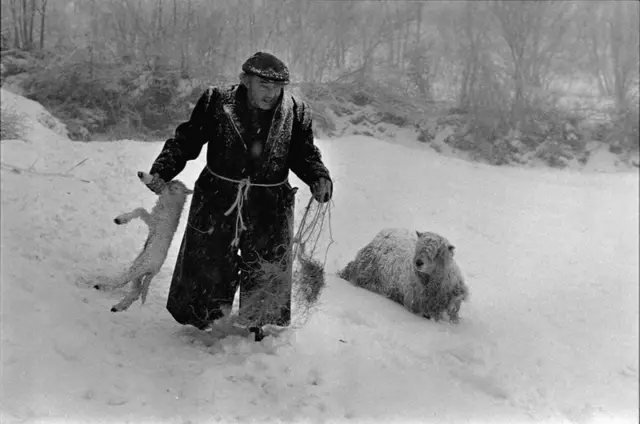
[
  {"x": 378, "y": 262},
  {"x": 164, "y": 220},
  {"x": 414, "y": 269},
  {"x": 170, "y": 204}
]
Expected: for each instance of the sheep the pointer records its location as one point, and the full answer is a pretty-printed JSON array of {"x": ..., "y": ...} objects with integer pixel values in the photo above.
[
  {"x": 162, "y": 222},
  {"x": 415, "y": 269}
]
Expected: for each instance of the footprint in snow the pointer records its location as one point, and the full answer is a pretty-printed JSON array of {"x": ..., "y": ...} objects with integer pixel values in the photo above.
[
  {"x": 466, "y": 356},
  {"x": 357, "y": 318},
  {"x": 581, "y": 414},
  {"x": 483, "y": 383},
  {"x": 629, "y": 371},
  {"x": 65, "y": 353},
  {"x": 468, "y": 365},
  {"x": 117, "y": 401},
  {"x": 315, "y": 378},
  {"x": 260, "y": 366}
]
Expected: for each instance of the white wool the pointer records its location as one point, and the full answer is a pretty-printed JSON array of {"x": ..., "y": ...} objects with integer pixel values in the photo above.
[
  {"x": 162, "y": 222},
  {"x": 411, "y": 268}
]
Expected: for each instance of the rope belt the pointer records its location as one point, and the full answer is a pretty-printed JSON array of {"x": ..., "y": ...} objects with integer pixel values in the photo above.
[{"x": 243, "y": 192}]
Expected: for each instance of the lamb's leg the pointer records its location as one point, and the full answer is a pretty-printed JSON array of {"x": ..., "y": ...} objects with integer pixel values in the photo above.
[
  {"x": 454, "y": 310},
  {"x": 136, "y": 213},
  {"x": 119, "y": 281},
  {"x": 145, "y": 286},
  {"x": 131, "y": 297}
]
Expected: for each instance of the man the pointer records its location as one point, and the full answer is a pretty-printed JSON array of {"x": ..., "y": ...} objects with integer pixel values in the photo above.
[{"x": 242, "y": 207}]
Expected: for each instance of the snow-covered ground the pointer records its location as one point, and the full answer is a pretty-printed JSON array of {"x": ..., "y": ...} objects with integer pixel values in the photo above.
[{"x": 550, "y": 333}]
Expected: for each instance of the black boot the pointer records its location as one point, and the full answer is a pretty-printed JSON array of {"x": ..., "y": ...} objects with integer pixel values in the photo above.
[{"x": 258, "y": 333}]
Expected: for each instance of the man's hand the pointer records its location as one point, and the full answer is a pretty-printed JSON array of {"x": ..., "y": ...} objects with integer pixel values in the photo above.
[
  {"x": 156, "y": 184},
  {"x": 322, "y": 190}
]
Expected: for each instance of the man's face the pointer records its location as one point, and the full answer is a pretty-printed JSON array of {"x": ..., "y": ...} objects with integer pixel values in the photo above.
[{"x": 263, "y": 93}]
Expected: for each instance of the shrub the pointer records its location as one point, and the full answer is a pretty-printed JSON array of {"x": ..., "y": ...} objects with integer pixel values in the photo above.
[
  {"x": 72, "y": 90},
  {"x": 13, "y": 124}
]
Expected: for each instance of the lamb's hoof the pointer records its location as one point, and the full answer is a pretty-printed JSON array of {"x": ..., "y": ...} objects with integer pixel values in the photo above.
[
  {"x": 427, "y": 316},
  {"x": 117, "y": 221},
  {"x": 97, "y": 287},
  {"x": 117, "y": 308}
]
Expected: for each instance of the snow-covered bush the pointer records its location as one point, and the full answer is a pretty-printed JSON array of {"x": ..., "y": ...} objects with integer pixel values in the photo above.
[{"x": 13, "y": 123}]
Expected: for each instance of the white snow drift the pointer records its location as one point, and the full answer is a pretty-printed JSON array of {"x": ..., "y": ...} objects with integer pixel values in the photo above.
[{"x": 550, "y": 334}]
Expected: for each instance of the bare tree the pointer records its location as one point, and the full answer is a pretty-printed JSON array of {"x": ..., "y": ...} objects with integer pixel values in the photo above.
[
  {"x": 609, "y": 34},
  {"x": 43, "y": 14},
  {"x": 531, "y": 41}
]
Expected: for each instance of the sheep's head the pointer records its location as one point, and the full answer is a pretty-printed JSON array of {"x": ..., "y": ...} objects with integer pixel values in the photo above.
[
  {"x": 433, "y": 252},
  {"x": 176, "y": 188},
  {"x": 175, "y": 192},
  {"x": 444, "y": 284}
]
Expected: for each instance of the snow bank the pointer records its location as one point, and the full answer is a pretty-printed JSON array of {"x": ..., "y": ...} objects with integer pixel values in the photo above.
[{"x": 40, "y": 123}]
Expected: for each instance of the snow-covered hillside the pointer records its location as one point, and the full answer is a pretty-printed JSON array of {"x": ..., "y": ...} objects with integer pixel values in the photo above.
[{"x": 550, "y": 334}]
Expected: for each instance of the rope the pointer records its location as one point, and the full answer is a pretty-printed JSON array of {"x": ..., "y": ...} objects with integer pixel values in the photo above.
[
  {"x": 243, "y": 192},
  {"x": 311, "y": 226},
  {"x": 209, "y": 231}
]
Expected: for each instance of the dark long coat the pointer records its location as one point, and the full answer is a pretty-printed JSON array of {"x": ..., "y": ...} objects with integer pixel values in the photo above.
[{"x": 206, "y": 274}]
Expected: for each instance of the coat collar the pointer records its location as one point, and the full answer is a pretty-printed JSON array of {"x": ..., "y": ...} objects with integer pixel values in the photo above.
[{"x": 236, "y": 108}]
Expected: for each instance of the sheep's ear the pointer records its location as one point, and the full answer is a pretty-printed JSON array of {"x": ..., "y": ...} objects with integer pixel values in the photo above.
[
  {"x": 189, "y": 191},
  {"x": 418, "y": 233}
]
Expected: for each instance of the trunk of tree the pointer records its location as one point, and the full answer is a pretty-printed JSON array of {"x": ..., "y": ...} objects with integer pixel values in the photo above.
[
  {"x": 390, "y": 50},
  {"x": 94, "y": 37},
  {"x": 184, "y": 51},
  {"x": 516, "y": 23},
  {"x": 43, "y": 14},
  {"x": 24, "y": 26},
  {"x": 32, "y": 18},
  {"x": 236, "y": 42},
  {"x": 364, "y": 58},
  {"x": 160, "y": 13},
  {"x": 471, "y": 57},
  {"x": 175, "y": 14},
  {"x": 252, "y": 23},
  {"x": 419, "y": 21},
  {"x": 519, "y": 100},
  {"x": 624, "y": 52},
  {"x": 16, "y": 24}
]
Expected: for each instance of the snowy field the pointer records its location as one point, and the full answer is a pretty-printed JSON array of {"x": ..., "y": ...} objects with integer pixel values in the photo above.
[{"x": 550, "y": 333}]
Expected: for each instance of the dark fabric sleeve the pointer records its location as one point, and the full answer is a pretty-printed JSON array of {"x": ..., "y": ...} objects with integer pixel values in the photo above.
[
  {"x": 305, "y": 159},
  {"x": 187, "y": 142}
]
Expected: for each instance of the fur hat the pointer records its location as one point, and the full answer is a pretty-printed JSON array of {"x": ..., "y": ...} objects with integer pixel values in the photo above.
[{"x": 267, "y": 66}]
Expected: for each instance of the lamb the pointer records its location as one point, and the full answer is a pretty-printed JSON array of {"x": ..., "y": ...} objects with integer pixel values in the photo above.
[
  {"x": 413, "y": 268},
  {"x": 162, "y": 222}
]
